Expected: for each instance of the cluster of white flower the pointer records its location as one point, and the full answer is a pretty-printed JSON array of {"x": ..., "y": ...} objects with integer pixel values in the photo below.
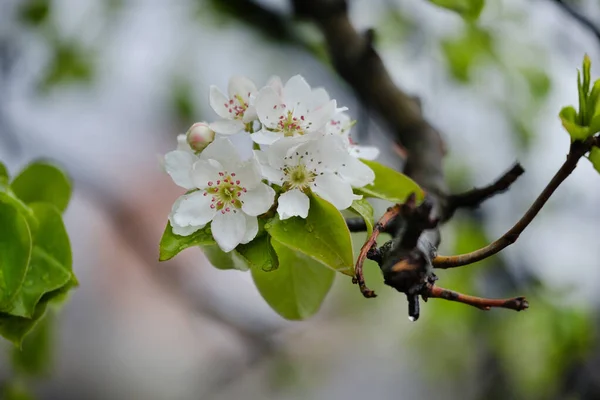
[{"x": 301, "y": 143}]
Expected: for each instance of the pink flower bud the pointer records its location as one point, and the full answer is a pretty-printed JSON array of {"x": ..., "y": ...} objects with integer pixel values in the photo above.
[{"x": 199, "y": 136}]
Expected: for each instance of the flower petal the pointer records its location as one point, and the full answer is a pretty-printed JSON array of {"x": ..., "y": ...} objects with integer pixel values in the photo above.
[
  {"x": 250, "y": 115},
  {"x": 240, "y": 86},
  {"x": 205, "y": 171},
  {"x": 258, "y": 200},
  {"x": 365, "y": 152},
  {"x": 334, "y": 189},
  {"x": 275, "y": 83},
  {"x": 265, "y": 137},
  {"x": 223, "y": 151},
  {"x": 227, "y": 126},
  {"x": 182, "y": 143},
  {"x": 356, "y": 173},
  {"x": 251, "y": 229},
  {"x": 218, "y": 102},
  {"x": 185, "y": 230},
  {"x": 193, "y": 210},
  {"x": 319, "y": 96},
  {"x": 268, "y": 107},
  {"x": 179, "y": 164},
  {"x": 327, "y": 153},
  {"x": 296, "y": 92},
  {"x": 321, "y": 115},
  {"x": 248, "y": 173},
  {"x": 293, "y": 203},
  {"x": 228, "y": 229}
]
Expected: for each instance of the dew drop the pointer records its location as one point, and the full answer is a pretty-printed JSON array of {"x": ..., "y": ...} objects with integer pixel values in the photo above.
[
  {"x": 412, "y": 319},
  {"x": 309, "y": 227}
]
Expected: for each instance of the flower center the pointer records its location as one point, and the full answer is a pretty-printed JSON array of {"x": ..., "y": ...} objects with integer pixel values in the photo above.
[
  {"x": 225, "y": 193},
  {"x": 290, "y": 125},
  {"x": 237, "y": 106},
  {"x": 298, "y": 176}
]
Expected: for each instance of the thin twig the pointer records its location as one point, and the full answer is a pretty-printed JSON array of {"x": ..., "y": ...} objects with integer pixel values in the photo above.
[
  {"x": 579, "y": 17},
  {"x": 578, "y": 149},
  {"x": 473, "y": 198},
  {"x": 436, "y": 292},
  {"x": 371, "y": 243}
]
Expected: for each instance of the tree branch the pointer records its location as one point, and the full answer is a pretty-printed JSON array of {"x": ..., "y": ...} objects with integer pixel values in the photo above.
[
  {"x": 578, "y": 149},
  {"x": 436, "y": 292},
  {"x": 579, "y": 17},
  {"x": 473, "y": 198}
]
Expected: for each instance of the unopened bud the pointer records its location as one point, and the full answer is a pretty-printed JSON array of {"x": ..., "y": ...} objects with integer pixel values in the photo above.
[{"x": 199, "y": 136}]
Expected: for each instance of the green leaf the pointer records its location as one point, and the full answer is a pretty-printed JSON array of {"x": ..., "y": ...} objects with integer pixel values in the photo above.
[
  {"x": 172, "y": 244},
  {"x": 34, "y": 358},
  {"x": 259, "y": 253},
  {"x": 50, "y": 267},
  {"x": 390, "y": 185},
  {"x": 15, "y": 391},
  {"x": 594, "y": 158},
  {"x": 594, "y": 126},
  {"x": 16, "y": 328},
  {"x": 569, "y": 119},
  {"x": 43, "y": 182},
  {"x": 15, "y": 253},
  {"x": 221, "y": 260},
  {"x": 593, "y": 105},
  {"x": 587, "y": 64},
  {"x": 468, "y": 9},
  {"x": 363, "y": 208},
  {"x": 4, "y": 176},
  {"x": 297, "y": 288},
  {"x": 582, "y": 95},
  {"x": 322, "y": 236}
]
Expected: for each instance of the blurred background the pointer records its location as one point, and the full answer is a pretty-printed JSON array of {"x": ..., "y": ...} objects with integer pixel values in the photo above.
[{"x": 102, "y": 87}]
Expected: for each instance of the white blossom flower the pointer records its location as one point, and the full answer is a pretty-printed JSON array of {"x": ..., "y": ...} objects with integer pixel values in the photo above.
[
  {"x": 235, "y": 109},
  {"x": 341, "y": 124},
  {"x": 289, "y": 111},
  {"x": 199, "y": 136},
  {"x": 226, "y": 191},
  {"x": 320, "y": 164}
]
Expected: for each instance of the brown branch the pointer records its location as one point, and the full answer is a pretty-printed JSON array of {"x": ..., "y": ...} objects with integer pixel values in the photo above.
[
  {"x": 357, "y": 62},
  {"x": 369, "y": 245},
  {"x": 436, "y": 292},
  {"x": 578, "y": 149},
  {"x": 473, "y": 198}
]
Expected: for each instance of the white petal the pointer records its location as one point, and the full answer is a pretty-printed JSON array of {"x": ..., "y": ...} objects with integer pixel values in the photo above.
[
  {"x": 227, "y": 126},
  {"x": 251, "y": 229},
  {"x": 321, "y": 115},
  {"x": 250, "y": 115},
  {"x": 218, "y": 102},
  {"x": 293, "y": 203},
  {"x": 265, "y": 137},
  {"x": 179, "y": 164},
  {"x": 275, "y": 83},
  {"x": 228, "y": 229},
  {"x": 258, "y": 200},
  {"x": 268, "y": 107},
  {"x": 182, "y": 143},
  {"x": 365, "y": 152},
  {"x": 205, "y": 171},
  {"x": 327, "y": 153},
  {"x": 281, "y": 148},
  {"x": 272, "y": 175},
  {"x": 193, "y": 210},
  {"x": 184, "y": 230},
  {"x": 296, "y": 92},
  {"x": 335, "y": 190},
  {"x": 223, "y": 151},
  {"x": 241, "y": 86},
  {"x": 248, "y": 173},
  {"x": 319, "y": 96},
  {"x": 356, "y": 173}
]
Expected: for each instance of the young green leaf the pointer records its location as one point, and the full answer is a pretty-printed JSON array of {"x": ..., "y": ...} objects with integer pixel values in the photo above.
[
  {"x": 259, "y": 253},
  {"x": 363, "y": 208},
  {"x": 172, "y": 244},
  {"x": 390, "y": 185},
  {"x": 221, "y": 260},
  {"x": 594, "y": 158},
  {"x": 15, "y": 253},
  {"x": 43, "y": 182},
  {"x": 297, "y": 288},
  {"x": 468, "y": 9},
  {"x": 322, "y": 236},
  {"x": 15, "y": 391},
  {"x": 16, "y": 328},
  {"x": 4, "y": 177},
  {"x": 569, "y": 119}
]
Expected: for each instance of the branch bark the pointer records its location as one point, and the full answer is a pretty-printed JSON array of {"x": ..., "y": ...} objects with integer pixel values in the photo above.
[{"x": 578, "y": 150}]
